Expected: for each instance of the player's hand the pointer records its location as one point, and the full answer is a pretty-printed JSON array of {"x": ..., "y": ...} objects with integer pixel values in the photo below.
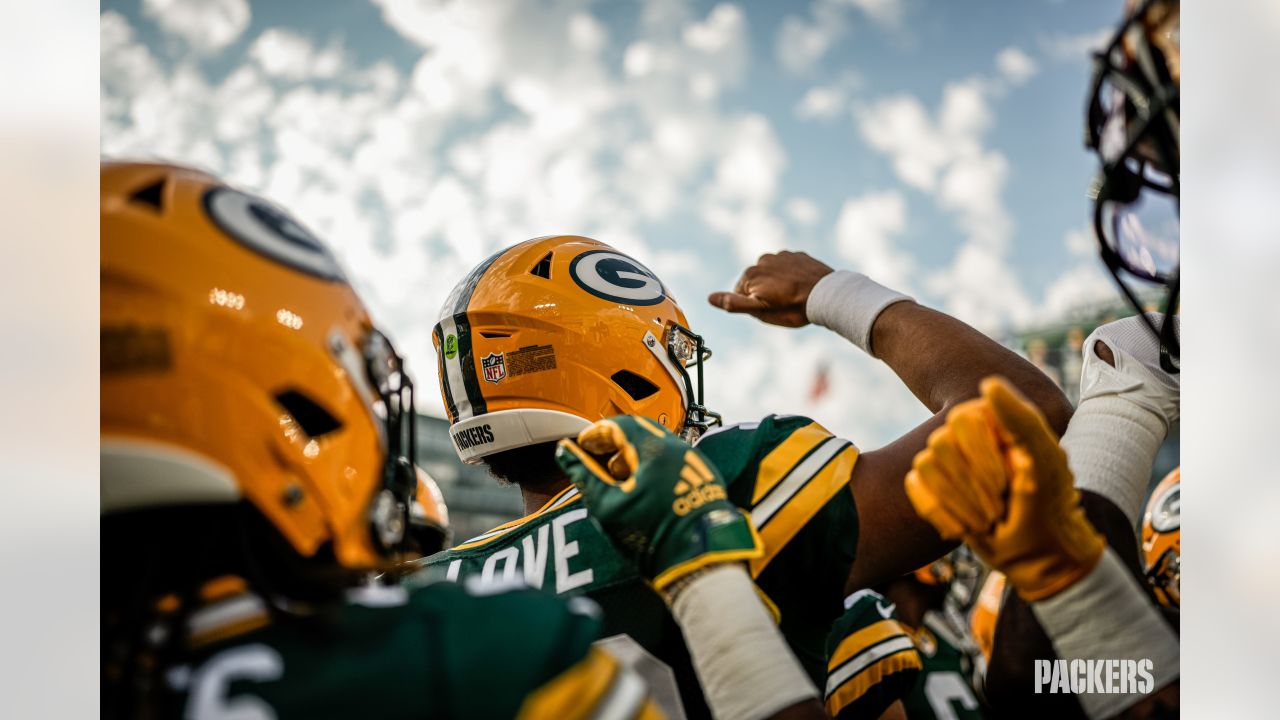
[
  {"x": 995, "y": 477},
  {"x": 657, "y": 498},
  {"x": 775, "y": 289}
]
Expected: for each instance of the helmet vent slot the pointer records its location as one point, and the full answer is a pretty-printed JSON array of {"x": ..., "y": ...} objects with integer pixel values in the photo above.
[
  {"x": 634, "y": 385},
  {"x": 313, "y": 419},
  {"x": 152, "y": 195},
  {"x": 543, "y": 268},
  {"x": 494, "y": 334}
]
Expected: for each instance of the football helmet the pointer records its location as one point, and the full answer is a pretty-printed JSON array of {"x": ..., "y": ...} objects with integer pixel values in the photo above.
[
  {"x": 238, "y": 364},
  {"x": 550, "y": 335},
  {"x": 1162, "y": 540},
  {"x": 428, "y": 517},
  {"x": 1133, "y": 126}
]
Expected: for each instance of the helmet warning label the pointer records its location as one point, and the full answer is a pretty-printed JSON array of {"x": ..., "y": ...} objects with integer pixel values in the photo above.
[{"x": 531, "y": 359}]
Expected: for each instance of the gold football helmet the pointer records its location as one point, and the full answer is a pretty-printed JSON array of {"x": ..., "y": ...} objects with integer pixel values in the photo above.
[
  {"x": 1162, "y": 540},
  {"x": 238, "y": 364},
  {"x": 550, "y": 335},
  {"x": 428, "y": 517}
]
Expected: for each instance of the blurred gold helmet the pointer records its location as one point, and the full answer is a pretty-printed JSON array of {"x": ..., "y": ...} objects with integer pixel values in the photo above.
[
  {"x": 238, "y": 364},
  {"x": 550, "y": 335},
  {"x": 1162, "y": 540},
  {"x": 428, "y": 517}
]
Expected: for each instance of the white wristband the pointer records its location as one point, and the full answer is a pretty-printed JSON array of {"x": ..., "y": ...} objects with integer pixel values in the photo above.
[
  {"x": 1106, "y": 616},
  {"x": 746, "y": 670},
  {"x": 849, "y": 303}
]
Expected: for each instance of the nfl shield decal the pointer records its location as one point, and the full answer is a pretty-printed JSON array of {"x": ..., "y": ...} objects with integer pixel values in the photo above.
[{"x": 494, "y": 366}]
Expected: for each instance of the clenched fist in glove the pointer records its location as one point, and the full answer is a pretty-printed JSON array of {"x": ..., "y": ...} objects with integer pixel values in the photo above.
[{"x": 995, "y": 477}]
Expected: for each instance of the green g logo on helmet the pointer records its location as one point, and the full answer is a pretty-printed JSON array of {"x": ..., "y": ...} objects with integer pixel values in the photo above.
[{"x": 451, "y": 347}]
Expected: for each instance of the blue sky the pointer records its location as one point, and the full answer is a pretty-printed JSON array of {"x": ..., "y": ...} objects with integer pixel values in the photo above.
[{"x": 936, "y": 146}]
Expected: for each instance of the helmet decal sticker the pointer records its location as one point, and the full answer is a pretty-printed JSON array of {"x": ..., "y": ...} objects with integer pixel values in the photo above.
[
  {"x": 270, "y": 231},
  {"x": 495, "y": 367},
  {"x": 458, "y": 378},
  {"x": 615, "y": 277},
  {"x": 531, "y": 359}
]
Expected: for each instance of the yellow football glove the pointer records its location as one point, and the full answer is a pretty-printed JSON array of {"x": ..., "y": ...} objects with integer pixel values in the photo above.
[{"x": 995, "y": 477}]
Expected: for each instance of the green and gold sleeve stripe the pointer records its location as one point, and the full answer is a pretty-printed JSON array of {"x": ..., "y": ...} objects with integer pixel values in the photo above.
[
  {"x": 864, "y": 659},
  {"x": 800, "y": 493},
  {"x": 780, "y": 460}
]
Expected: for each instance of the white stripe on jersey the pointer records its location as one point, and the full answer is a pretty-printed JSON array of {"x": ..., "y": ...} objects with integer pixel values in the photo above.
[
  {"x": 796, "y": 479},
  {"x": 865, "y": 659},
  {"x": 744, "y": 426},
  {"x": 624, "y": 698}
]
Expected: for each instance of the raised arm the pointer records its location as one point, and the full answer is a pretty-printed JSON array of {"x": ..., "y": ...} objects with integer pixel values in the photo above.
[{"x": 939, "y": 358}]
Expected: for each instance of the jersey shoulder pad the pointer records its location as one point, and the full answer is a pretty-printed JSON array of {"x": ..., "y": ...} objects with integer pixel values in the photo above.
[
  {"x": 871, "y": 660},
  {"x": 784, "y": 469}
]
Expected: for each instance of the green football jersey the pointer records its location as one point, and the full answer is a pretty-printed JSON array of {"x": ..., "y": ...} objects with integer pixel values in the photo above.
[
  {"x": 944, "y": 688},
  {"x": 443, "y": 651},
  {"x": 789, "y": 472},
  {"x": 871, "y": 659}
]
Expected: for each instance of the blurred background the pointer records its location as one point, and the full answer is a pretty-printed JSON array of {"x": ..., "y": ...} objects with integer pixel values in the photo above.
[{"x": 935, "y": 146}]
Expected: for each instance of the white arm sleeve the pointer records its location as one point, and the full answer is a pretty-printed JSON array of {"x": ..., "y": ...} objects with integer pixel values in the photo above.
[
  {"x": 1124, "y": 414},
  {"x": 745, "y": 667},
  {"x": 1105, "y": 615}
]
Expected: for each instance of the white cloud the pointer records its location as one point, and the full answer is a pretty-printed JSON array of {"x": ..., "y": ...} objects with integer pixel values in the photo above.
[
  {"x": 802, "y": 211},
  {"x": 1015, "y": 65},
  {"x": 885, "y": 12},
  {"x": 944, "y": 156},
  {"x": 802, "y": 42},
  {"x": 900, "y": 127},
  {"x": 865, "y": 237},
  {"x": 286, "y": 54},
  {"x": 828, "y": 101},
  {"x": 206, "y": 25},
  {"x": 865, "y": 402}
]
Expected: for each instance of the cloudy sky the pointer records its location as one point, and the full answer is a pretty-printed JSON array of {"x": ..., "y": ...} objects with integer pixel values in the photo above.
[{"x": 936, "y": 146}]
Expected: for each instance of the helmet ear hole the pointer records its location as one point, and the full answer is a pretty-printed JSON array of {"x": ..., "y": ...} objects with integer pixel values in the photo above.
[
  {"x": 543, "y": 268},
  {"x": 313, "y": 419},
  {"x": 634, "y": 385}
]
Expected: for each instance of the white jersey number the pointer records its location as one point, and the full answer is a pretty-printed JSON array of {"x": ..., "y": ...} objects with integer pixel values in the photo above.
[
  {"x": 209, "y": 684},
  {"x": 944, "y": 688}
]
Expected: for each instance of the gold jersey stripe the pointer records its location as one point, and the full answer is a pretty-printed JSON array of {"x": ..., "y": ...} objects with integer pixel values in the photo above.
[
  {"x": 862, "y": 639},
  {"x": 556, "y": 502},
  {"x": 573, "y": 693},
  {"x": 785, "y": 522},
  {"x": 785, "y": 456},
  {"x": 858, "y": 685},
  {"x": 597, "y": 687}
]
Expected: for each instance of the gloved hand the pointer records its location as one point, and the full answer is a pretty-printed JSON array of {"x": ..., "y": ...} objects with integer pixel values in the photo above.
[
  {"x": 995, "y": 477},
  {"x": 657, "y": 498}
]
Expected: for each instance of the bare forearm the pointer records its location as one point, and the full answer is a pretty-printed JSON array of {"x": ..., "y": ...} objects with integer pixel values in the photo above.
[{"x": 941, "y": 360}]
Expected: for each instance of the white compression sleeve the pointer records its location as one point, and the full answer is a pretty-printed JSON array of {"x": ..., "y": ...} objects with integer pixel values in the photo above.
[
  {"x": 1106, "y": 616},
  {"x": 1124, "y": 414},
  {"x": 745, "y": 667},
  {"x": 849, "y": 303}
]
